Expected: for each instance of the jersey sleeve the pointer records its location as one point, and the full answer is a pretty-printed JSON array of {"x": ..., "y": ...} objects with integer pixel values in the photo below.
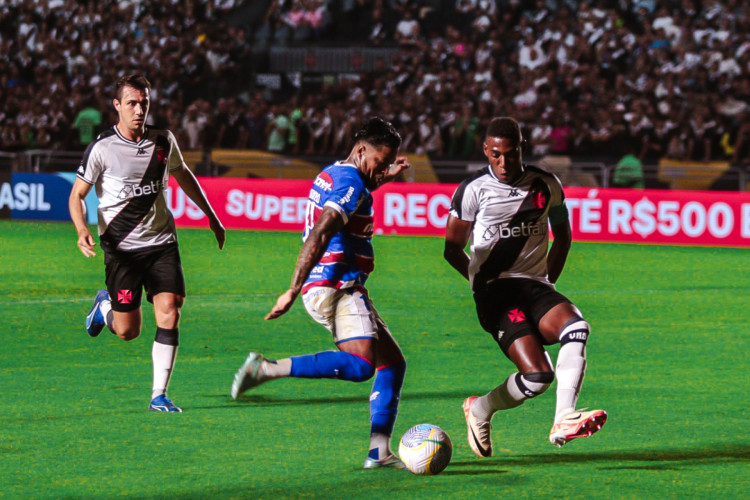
[
  {"x": 91, "y": 165},
  {"x": 346, "y": 195},
  {"x": 176, "y": 159},
  {"x": 465, "y": 202},
  {"x": 558, "y": 212}
]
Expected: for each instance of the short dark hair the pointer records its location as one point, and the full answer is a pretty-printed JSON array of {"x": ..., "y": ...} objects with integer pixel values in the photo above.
[
  {"x": 378, "y": 132},
  {"x": 136, "y": 80},
  {"x": 505, "y": 126}
]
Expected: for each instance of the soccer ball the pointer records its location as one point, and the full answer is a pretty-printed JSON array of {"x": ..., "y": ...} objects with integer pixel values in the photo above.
[{"x": 425, "y": 449}]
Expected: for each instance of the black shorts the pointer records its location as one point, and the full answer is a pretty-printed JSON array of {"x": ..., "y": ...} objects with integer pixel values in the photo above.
[
  {"x": 157, "y": 269},
  {"x": 510, "y": 308}
]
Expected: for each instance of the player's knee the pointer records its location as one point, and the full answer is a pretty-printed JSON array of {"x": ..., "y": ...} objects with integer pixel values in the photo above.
[
  {"x": 535, "y": 383},
  {"x": 357, "y": 369},
  {"x": 575, "y": 330},
  {"x": 169, "y": 317},
  {"x": 128, "y": 334}
]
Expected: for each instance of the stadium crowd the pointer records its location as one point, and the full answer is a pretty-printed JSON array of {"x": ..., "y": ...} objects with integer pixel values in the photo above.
[{"x": 654, "y": 78}]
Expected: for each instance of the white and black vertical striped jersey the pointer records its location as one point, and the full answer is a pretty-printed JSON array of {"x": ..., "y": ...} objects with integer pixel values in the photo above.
[
  {"x": 510, "y": 234},
  {"x": 130, "y": 180}
]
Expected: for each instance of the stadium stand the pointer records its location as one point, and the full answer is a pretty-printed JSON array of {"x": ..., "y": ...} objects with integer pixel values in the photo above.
[{"x": 667, "y": 80}]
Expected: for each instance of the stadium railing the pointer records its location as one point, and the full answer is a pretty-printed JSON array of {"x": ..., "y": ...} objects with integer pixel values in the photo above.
[
  {"x": 46, "y": 160},
  {"x": 261, "y": 164}
]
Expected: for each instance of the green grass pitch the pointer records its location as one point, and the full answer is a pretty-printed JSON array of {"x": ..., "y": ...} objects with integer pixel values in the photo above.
[{"x": 667, "y": 359}]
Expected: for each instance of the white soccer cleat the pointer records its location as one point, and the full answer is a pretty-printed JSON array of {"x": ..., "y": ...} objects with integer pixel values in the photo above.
[
  {"x": 577, "y": 424},
  {"x": 248, "y": 376},
  {"x": 391, "y": 461},
  {"x": 478, "y": 431}
]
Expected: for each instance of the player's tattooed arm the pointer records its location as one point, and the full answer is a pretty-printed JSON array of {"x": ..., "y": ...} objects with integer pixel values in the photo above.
[{"x": 328, "y": 224}]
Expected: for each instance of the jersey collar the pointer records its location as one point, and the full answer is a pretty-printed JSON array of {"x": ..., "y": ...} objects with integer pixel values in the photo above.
[{"x": 145, "y": 136}]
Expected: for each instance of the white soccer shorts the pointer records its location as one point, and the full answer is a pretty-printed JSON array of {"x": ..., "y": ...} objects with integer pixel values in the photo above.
[{"x": 347, "y": 313}]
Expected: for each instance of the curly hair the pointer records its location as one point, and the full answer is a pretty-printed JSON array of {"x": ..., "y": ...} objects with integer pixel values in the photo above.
[
  {"x": 505, "y": 126},
  {"x": 378, "y": 132}
]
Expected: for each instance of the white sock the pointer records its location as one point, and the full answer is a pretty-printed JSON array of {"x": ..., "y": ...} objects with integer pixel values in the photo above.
[
  {"x": 382, "y": 443},
  {"x": 503, "y": 397},
  {"x": 570, "y": 369},
  {"x": 163, "y": 356},
  {"x": 106, "y": 308},
  {"x": 276, "y": 369}
]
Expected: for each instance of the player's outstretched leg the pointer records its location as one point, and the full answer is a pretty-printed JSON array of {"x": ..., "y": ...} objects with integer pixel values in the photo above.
[
  {"x": 327, "y": 364},
  {"x": 571, "y": 368},
  {"x": 97, "y": 316},
  {"x": 249, "y": 374},
  {"x": 478, "y": 411}
]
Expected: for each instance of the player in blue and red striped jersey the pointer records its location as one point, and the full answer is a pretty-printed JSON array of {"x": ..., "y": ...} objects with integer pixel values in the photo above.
[{"x": 332, "y": 268}]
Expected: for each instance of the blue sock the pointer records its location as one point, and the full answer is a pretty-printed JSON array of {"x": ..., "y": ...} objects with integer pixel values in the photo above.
[
  {"x": 332, "y": 364},
  {"x": 386, "y": 392}
]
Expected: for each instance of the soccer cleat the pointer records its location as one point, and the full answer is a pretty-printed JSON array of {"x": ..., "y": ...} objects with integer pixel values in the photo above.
[
  {"x": 478, "y": 431},
  {"x": 248, "y": 376},
  {"x": 163, "y": 403},
  {"x": 390, "y": 461},
  {"x": 95, "y": 319},
  {"x": 575, "y": 425}
]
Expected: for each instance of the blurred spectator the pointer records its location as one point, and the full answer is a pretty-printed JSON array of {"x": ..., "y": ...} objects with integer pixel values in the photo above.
[
  {"x": 230, "y": 123},
  {"x": 741, "y": 147},
  {"x": 464, "y": 136},
  {"x": 540, "y": 139},
  {"x": 671, "y": 78},
  {"x": 559, "y": 136},
  {"x": 278, "y": 129},
  {"x": 87, "y": 122},
  {"x": 628, "y": 172},
  {"x": 407, "y": 29},
  {"x": 430, "y": 140},
  {"x": 193, "y": 124}
]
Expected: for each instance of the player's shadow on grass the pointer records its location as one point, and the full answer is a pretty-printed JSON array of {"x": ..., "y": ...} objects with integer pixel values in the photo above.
[
  {"x": 655, "y": 459},
  {"x": 251, "y": 398}
]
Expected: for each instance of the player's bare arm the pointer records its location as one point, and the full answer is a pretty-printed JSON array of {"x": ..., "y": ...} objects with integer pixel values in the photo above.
[
  {"x": 457, "y": 233},
  {"x": 558, "y": 252},
  {"x": 86, "y": 242},
  {"x": 193, "y": 189},
  {"x": 329, "y": 223}
]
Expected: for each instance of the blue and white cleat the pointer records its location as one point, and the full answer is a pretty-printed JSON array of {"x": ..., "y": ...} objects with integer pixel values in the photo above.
[
  {"x": 163, "y": 403},
  {"x": 95, "y": 319},
  {"x": 248, "y": 376}
]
